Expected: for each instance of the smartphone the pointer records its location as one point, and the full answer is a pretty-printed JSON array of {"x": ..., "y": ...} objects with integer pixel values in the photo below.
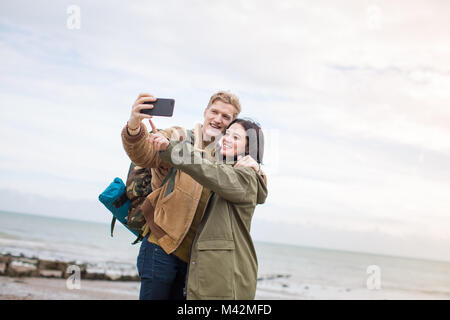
[{"x": 161, "y": 107}]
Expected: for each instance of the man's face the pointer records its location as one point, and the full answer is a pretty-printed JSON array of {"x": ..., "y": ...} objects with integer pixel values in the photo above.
[{"x": 217, "y": 117}]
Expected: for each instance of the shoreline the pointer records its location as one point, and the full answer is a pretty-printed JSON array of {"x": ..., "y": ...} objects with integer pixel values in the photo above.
[
  {"x": 23, "y": 266},
  {"x": 24, "y": 278}
]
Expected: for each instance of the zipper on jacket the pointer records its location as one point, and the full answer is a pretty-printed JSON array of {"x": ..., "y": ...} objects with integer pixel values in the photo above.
[{"x": 193, "y": 241}]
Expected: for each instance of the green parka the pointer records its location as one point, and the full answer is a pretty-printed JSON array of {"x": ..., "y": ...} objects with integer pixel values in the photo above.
[{"x": 223, "y": 262}]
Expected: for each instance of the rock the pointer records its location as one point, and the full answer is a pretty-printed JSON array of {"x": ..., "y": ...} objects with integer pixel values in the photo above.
[
  {"x": 3, "y": 267},
  {"x": 29, "y": 261},
  {"x": 130, "y": 278},
  {"x": 273, "y": 276},
  {"x": 51, "y": 273},
  {"x": 4, "y": 262},
  {"x": 81, "y": 267},
  {"x": 53, "y": 265},
  {"x": 22, "y": 268},
  {"x": 15, "y": 266},
  {"x": 5, "y": 259},
  {"x": 95, "y": 276},
  {"x": 113, "y": 276}
]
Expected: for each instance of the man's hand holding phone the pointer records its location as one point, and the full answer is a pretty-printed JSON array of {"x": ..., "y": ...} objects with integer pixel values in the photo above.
[
  {"x": 143, "y": 109},
  {"x": 134, "y": 123}
]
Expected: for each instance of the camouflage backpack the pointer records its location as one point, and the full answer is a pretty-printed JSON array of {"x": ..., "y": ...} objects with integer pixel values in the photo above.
[{"x": 138, "y": 187}]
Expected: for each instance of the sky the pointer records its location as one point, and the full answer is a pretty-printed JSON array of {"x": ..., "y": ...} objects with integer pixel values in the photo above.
[{"x": 353, "y": 98}]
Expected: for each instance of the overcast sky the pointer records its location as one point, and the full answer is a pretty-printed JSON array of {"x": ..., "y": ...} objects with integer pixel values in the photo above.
[{"x": 353, "y": 96}]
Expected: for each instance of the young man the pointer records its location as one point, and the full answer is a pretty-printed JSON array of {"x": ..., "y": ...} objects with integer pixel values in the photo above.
[{"x": 172, "y": 220}]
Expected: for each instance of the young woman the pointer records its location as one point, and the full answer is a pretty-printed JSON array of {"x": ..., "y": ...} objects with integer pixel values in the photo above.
[{"x": 223, "y": 262}]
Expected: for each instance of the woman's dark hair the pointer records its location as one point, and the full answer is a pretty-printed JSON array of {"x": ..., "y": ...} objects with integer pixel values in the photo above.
[{"x": 254, "y": 138}]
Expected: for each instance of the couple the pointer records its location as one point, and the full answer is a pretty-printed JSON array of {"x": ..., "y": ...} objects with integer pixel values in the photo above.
[{"x": 197, "y": 243}]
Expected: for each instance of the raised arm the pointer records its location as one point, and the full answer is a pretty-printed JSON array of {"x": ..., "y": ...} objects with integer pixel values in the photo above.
[
  {"x": 139, "y": 150},
  {"x": 230, "y": 183},
  {"x": 134, "y": 135}
]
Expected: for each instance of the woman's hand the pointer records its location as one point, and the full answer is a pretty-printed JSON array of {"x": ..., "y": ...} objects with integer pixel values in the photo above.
[
  {"x": 136, "y": 116},
  {"x": 248, "y": 161},
  {"x": 157, "y": 139}
]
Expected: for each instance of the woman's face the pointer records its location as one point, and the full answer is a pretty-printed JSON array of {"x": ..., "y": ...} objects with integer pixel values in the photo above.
[{"x": 234, "y": 141}]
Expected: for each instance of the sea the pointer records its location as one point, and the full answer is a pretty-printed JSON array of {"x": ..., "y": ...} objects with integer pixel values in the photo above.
[{"x": 284, "y": 271}]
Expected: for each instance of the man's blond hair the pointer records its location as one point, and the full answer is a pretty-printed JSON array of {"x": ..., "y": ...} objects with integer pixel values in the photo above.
[{"x": 226, "y": 97}]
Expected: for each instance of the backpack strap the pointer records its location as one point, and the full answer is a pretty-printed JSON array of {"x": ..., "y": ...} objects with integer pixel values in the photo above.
[
  {"x": 120, "y": 201},
  {"x": 139, "y": 238},
  {"x": 113, "y": 223}
]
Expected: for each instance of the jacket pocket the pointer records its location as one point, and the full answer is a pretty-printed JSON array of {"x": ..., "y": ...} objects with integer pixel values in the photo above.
[
  {"x": 216, "y": 269},
  {"x": 173, "y": 213}
]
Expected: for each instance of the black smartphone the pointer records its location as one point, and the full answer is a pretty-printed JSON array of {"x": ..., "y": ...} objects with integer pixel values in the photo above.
[{"x": 161, "y": 107}]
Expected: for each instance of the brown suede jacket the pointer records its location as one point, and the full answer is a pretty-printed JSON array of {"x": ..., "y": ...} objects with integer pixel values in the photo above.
[{"x": 169, "y": 217}]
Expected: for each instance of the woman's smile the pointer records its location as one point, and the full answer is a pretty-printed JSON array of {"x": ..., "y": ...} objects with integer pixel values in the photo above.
[{"x": 234, "y": 141}]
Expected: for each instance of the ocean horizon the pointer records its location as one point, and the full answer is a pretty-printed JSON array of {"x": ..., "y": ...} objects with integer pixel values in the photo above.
[{"x": 284, "y": 270}]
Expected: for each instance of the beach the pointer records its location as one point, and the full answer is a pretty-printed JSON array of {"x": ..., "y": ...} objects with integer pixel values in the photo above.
[
  {"x": 31, "y": 278},
  {"x": 12, "y": 288},
  {"x": 37, "y": 252}
]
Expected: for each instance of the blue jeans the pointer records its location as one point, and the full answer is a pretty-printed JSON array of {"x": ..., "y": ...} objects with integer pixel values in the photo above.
[{"x": 162, "y": 275}]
